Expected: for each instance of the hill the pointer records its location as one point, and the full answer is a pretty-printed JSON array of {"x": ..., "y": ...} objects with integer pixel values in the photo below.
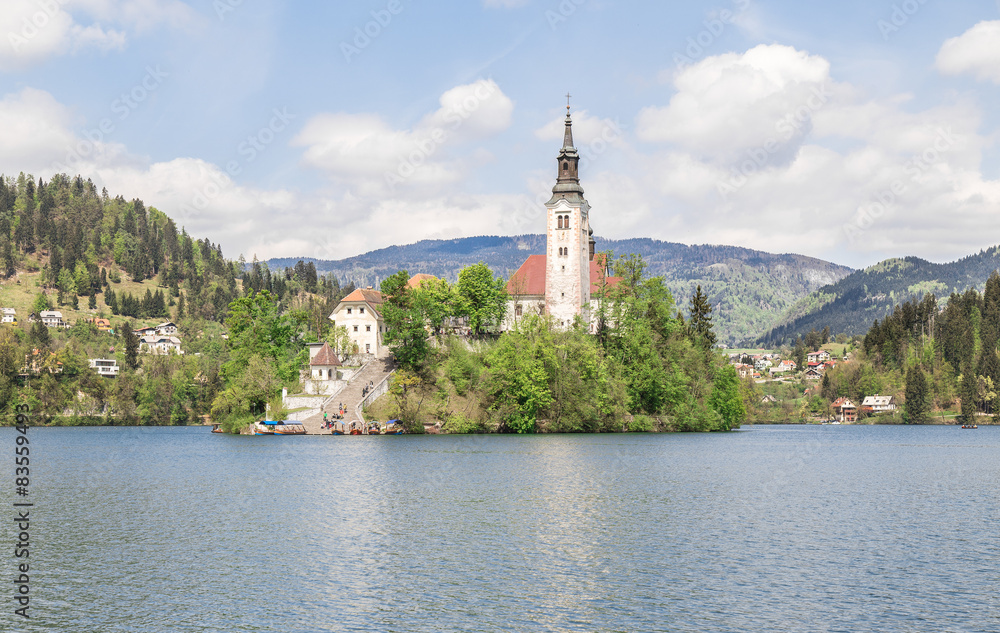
[
  {"x": 851, "y": 304},
  {"x": 749, "y": 290}
]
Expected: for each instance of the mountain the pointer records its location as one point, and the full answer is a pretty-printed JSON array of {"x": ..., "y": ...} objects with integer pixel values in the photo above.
[
  {"x": 851, "y": 304},
  {"x": 749, "y": 290}
]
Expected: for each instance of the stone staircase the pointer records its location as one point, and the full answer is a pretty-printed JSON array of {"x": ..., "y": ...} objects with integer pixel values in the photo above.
[{"x": 352, "y": 395}]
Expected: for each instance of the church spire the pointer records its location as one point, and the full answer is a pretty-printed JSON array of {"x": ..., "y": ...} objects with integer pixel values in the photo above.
[
  {"x": 568, "y": 136},
  {"x": 568, "y": 161}
]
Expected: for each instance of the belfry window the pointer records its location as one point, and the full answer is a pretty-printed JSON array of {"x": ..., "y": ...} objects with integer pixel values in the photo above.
[{"x": 565, "y": 166}]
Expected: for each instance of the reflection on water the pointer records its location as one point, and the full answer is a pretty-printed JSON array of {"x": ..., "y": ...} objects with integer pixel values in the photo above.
[{"x": 770, "y": 528}]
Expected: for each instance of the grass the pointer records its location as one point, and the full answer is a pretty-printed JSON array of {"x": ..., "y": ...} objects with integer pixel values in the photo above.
[{"x": 19, "y": 292}]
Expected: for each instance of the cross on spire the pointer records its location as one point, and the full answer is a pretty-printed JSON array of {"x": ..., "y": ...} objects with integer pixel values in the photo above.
[{"x": 568, "y": 97}]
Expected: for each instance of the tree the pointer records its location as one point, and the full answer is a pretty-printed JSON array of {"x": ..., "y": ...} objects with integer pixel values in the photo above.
[
  {"x": 40, "y": 334},
  {"x": 131, "y": 341},
  {"x": 700, "y": 320},
  {"x": 915, "y": 408},
  {"x": 92, "y": 302},
  {"x": 483, "y": 297},
  {"x": 405, "y": 333},
  {"x": 726, "y": 398}
]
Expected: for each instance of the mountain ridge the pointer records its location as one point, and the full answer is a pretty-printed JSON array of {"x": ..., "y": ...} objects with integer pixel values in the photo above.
[{"x": 749, "y": 289}]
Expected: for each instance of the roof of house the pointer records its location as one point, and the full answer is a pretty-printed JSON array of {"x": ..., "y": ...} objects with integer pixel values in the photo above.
[
  {"x": 153, "y": 340},
  {"x": 418, "y": 279},
  {"x": 51, "y": 314},
  {"x": 326, "y": 357},
  {"x": 877, "y": 401},
  {"x": 530, "y": 277},
  {"x": 843, "y": 402}
]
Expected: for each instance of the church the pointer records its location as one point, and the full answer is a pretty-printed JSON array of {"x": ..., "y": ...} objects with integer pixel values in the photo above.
[{"x": 561, "y": 282}]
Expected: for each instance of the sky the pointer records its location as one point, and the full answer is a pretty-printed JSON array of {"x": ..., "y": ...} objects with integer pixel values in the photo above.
[{"x": 850, "y": 131}]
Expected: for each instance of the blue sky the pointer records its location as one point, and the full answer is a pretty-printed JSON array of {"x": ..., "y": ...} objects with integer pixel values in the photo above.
[{"x": 850, "y": 131}]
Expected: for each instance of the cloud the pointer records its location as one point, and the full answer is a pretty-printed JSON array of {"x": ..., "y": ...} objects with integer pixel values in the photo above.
[
  {"x": 976, "y": 52},
  {"x": 731, "y": 103},
  {"x": 37, "y": 30},
  {"x": 365, "y": 152}
]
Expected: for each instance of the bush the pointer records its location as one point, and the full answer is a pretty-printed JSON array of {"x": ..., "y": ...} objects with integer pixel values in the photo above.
[
  {"x": 460, "y": 424},
  {"x": 641, "y": 424}
]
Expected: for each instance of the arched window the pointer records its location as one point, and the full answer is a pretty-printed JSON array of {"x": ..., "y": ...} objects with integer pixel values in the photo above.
[{"x": 565, "y": 166}]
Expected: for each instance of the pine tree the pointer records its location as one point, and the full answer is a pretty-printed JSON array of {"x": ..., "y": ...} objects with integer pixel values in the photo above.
[
  {"x": 700, "y": 322},
  {"x": 180, "y": 307},
  {"x": 92, "y": 302},
  {"x": 915, "y": 407},
  {"x": 131, "y": 345}
]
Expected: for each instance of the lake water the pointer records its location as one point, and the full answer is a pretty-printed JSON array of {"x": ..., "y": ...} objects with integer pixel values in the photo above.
[{"x": 772, "y": 528}]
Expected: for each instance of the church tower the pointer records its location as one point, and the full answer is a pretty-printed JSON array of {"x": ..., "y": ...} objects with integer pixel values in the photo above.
[{"x": 570, "y": 248}]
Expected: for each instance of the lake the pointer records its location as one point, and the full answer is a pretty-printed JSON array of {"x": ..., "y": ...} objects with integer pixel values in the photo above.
[{"x": 772, "y": 528}]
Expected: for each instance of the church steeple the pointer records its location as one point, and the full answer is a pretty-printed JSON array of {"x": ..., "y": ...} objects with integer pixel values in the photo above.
[{"x": 568, "y": 163}]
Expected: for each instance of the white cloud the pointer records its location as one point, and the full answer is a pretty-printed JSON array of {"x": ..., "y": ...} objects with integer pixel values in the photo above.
[
  {"x": 977, "y": 52},
  {"x": 363, "y": 151},
  {"x": 731, "y": 103},
  {"x": 37, "y": 30}
]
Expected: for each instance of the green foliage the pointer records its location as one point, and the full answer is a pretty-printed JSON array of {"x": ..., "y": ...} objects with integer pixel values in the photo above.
[
  {"x": 700, "y": 320},
  {"x": 916, "y": 408},
  {"x": 482, "y": 298},
  {"x": 641, "y": 424},
  {"x": 404, "y": 322},
  {"x": 462, "y": 367},
  {"x": 726, "y": 398},
  {"x": 257, "y": 329},
  {"x": 131, "y": 342}
]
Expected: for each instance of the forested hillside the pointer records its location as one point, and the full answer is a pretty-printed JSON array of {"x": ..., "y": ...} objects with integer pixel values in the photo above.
[
  {"x": 68, "y": 247},
  {"x": 748, "y": 289},
  {"x": 853, "y": 303}
]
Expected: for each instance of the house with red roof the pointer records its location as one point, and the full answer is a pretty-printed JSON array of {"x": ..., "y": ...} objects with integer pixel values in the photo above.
[
  {"x": 323, "y": 363},
  {"x": 360, "y": 313}
]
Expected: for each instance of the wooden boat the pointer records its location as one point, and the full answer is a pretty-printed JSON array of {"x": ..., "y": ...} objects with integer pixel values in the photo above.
[
  {"x": 355, "y": 432},
  {"x": 289, "y": 427},
  {"x": 336, "y": 432},
  {"x": 970, "y": 426},
  {"x": 374, "y": 430},
  {"x": 217, "y": 428},
  {"x": 263, "y": 428},
  {"x": 393, "y": 427}
]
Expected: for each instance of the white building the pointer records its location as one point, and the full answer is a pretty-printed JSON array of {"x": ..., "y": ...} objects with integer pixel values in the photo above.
[
  {"x": 9, "y": 315},
  {"x": 323, "y": 362},
  {"x": 878, "y": 404},
  {"x": 359, "y": 313},
  {"x": 561, "y": 282},
  {"x": 53, "y": 318},
  {"x": 104, "y": 366},
  {"x": 160, "y": 344}
]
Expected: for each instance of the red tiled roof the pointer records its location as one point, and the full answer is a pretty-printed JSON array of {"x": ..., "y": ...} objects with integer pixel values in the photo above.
[
  {"x": 326, "y": 357},
  {"x": 373, "y": 297},
  {"x": 530, "y": 278},
  {"x": 418, "y": 279}
]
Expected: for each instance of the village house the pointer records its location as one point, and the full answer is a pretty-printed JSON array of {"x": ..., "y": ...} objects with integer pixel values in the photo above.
[
  {"x": 813, "y": 374},
  {"x": 102, "y": 325},
  {"x": 845, "y": 410},
  {"x": 878, "y": 404},
  {"x": 105, "y": 367},
  {"x": 9, "y": 316},
  {"x": 762, "y": 364},
  {"x": 818, "y": 357},
  {"x": 153, "y": 344},
  {"x": 51, "y": 318},
  {"x": 359, "y": 313},
  {"x": 323, "y": 362},
  {"x": 744, "y": 371}
]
